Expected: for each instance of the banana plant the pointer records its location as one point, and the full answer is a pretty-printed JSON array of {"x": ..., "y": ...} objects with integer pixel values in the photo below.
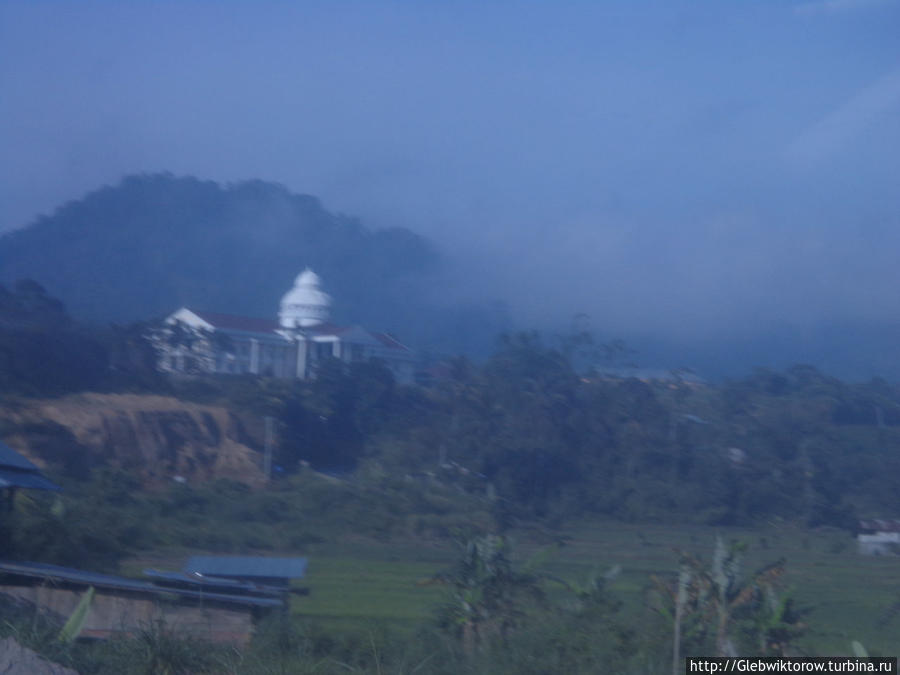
[
  {"x": 72, "y": 628},
  {"x": 487, "y": 592},
  {"x": 778, "y": 622},
  {"x": 708, "y": 599}
]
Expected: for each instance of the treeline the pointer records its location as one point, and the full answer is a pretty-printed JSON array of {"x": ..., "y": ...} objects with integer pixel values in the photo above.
[
  {"x": 529, "y": 430},
  {"x": 541, "y": 438},
  {"x": 45, "y": 352},
  {"x": 42, "y": 351},
  {"x": 156, "y": 241}
]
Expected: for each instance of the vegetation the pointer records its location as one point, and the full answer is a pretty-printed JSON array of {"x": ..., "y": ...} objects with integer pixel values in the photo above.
[
  {"x": 536, "y": 434},
  {"x": 42, "y": 351},
  {"x": 532, "y": 440},
  {"x": 547, "y": 442},
  {"x": 522, "y": 439},
  {"x": 610, "y": 623},
  {"x": 710, "y": 606}
]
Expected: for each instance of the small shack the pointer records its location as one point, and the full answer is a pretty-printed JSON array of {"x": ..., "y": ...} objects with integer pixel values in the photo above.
[
  {"x": 127, "y": 606},
  {"x": 271, "y": 572},
  {"x": 879, "y": 536}
]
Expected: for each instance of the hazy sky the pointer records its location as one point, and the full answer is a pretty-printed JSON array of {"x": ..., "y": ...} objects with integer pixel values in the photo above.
[{"x": 697, "y": 168}]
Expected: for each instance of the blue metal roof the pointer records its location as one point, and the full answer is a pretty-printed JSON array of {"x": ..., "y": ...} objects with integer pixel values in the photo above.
[
  {"x": 10, "y": 459},
  {"x": 18, "y": 472},
  {"x": 10, "y": 478},
  {"x": 246, "y": 566}
]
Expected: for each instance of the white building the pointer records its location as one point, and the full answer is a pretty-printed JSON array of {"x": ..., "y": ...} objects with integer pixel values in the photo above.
[
  {"x": 879, "y": 537},
  {"x": 193, "y": 341}
]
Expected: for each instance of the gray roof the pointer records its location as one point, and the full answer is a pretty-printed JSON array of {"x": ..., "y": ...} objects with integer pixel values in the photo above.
[
  {"x": 83, "y": 578},
  {"x": 197, "y": 581},
  {"x": 246, "y": 566},
  {"x": 16, "y": 471},
  {"x": 46, "y": 571}
]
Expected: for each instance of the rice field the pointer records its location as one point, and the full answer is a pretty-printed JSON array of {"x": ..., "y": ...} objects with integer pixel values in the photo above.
[{"x": 363, "y": 582}]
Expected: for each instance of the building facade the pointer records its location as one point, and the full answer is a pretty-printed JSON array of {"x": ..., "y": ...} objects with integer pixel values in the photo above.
[
  {"x": 878, "y": 537},
  {"x": 198, "y": 342}
]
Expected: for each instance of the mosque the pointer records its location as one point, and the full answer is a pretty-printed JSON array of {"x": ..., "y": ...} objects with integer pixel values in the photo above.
[{"x": 193, "y": 341}]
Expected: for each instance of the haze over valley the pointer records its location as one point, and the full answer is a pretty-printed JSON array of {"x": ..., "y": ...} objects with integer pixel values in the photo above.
[{"x": 716, "y": 186}]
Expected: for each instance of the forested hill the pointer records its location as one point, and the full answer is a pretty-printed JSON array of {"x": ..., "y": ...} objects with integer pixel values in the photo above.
[{"x": 155, "y": 242}]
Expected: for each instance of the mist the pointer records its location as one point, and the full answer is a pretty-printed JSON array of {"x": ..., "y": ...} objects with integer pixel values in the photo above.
[{"x": 700, "y": 178}]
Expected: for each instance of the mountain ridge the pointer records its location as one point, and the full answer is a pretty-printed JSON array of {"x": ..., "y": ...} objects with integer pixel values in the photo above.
[{"x": 155, "y": 242}]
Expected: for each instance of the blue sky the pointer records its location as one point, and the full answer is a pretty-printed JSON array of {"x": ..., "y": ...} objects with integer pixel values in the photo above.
[{"x": 688, "y": 168}]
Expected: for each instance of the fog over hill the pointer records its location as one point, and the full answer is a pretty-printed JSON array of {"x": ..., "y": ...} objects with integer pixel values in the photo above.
[
  {"x": 153, "y": 243},
  {"x": 715, "y": 183}
]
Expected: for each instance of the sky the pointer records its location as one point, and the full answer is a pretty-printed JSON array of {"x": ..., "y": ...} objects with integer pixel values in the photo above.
[{"x": 689, "y": 169}]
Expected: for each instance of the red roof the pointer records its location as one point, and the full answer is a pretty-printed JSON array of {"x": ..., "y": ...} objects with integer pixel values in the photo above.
[
  {"x": 390, "y": 341},
  {"x": 327, "y": 328},
  {"x": 253, "y": 325},
  {"x": 232, "y": 322}
]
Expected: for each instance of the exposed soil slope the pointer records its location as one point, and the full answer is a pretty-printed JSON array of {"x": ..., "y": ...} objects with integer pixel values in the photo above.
[{"x": 159, "y": 438}]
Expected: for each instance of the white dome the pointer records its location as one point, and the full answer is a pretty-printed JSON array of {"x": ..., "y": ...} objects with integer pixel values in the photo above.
[{"x": 305, "y": 304}]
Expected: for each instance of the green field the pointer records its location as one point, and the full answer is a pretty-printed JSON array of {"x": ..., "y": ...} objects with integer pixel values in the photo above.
[
  {"x": 362, "y": 582},
  {"x": 352, "y": 583}
]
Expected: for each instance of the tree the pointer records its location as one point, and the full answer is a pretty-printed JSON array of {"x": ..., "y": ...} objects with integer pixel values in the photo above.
[
  {"x": 328, "y": 420},
  {"x": 41, "y": 350}
]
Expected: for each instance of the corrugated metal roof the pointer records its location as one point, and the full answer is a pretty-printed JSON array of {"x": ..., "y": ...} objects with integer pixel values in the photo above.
[
  {"x": 46, "y": 571},
  {"x": 17, "y": 471},
  {"x": 182, "y": 577},
  {"x": 247, "y": 566},
  {"x": 25, "y": 479},
  {"x": 162, "y": 578},
  {"x": 81, "y": 577},
  {"x": 9, "y": 458}
]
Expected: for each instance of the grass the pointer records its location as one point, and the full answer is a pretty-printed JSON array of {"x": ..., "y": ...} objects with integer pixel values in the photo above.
[
  {"x": 363, "y": 582},
  {"x": 847, "y": 593},
  {"x": 357, "y": 583},
  {"x": 367, "y": 598}
]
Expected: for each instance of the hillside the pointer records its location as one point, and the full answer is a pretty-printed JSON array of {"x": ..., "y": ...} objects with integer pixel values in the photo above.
[
  {"x": 155, "y": 242},
  {"x": 154, "y": 438}
]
